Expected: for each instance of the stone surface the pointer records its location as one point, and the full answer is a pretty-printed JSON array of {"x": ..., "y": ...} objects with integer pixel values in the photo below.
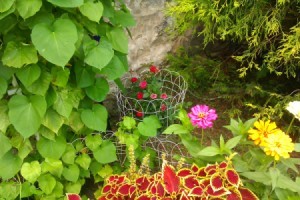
[{"x": 149, "y": 43}]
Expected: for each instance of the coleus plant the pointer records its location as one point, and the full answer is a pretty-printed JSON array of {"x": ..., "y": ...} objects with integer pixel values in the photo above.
[{"x": 214, "y": 181}]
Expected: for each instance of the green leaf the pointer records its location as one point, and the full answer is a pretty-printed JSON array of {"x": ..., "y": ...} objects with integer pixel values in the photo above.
[
  {"x": 233, "y": 142},
  {"x": 125, "y": 19},
  {"x": 28, "y": 8},
  {"x": 83, "y": 161},
  {"x": 105, "y": 171},
  {"x": 69, "y": 155},
  {"x": 26, "y": 113},
  {"x": 19, "y": 54},
  {"x": 24, "y": 148},
  {"x": 99, "y": 90},
  {"x": 10, "y": 165},
  {"x": 67, "y": 4},
  {"x": 9, "y": 190},
  {"x": 274, "y": 174},
  {"x": 114, "y": 69},
  {"x": 41, "y": 85},
  {"x": 73, "y": 187},
  {"x": 31, "y": 171},
  {"x": 93, "y": 141},
  {"x": 75, "y": 122},
  {"x": 8, "y": 12},
  {"x": 54, "y": 166},
  {"x": 84, "y": 76},
  {"x": 287, "y": 183},
  {"x": 261, "y": 177},
  {"x": 149, "y": 126},
  {"x": 98, "y": 54},
  {"x": 3, "y": 87},
  {"x": 176, "y": 129},
  {"x": 60, "y": 76},
  {"x": 118, "y": 39},
  {"x": 92, "y": 10},
  {"x": 56, "y": 43},
  {"x": 53, "y": 120},
  {"x": 71, "y": 173},
  {"x": 95, "y": 119},
  {"x": 27, "y": 75},
  {"x": 209, "y": 151},
  {"x": 297, "y": 147},
  {"x": 63, "y": 104},
  {"x": 46, "y": 183},
  {"x": 106, "y": 153},
  {"x": 52, "y": 149},
  {"x": 5, "y": 144},
  {"x": 129, "y": 122},
  {"x": 4, "y": 120},
  {"x": 5, "y": 5}
]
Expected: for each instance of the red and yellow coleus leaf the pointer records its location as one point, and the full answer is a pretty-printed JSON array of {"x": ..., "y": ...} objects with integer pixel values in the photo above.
[
  {"x": 223, "y": 165},
  {"x": 71, "y": 196},
  {"x": 170, "y": 180},
  {"x": 234, "y": 194},
  {"x": 196, "y": 191},
  {"x": 247, "y": 194},
  {"x": 157, "y": 189},
  {"x": 184, "y": 196},
  {"x": 195, "y": 168},
  {"x": 106, "y": 188},
  {"x": 232, "y": 177},
  {"x": 201, "y": 172},
  {"x": 184, "y": 172},
  {"x": 216, "y": 182},
  {"x": 190, "y": 182},
  {"x": 210, "y": 169},
  {"x": 142, "y": 183},
  {"x": 143, "y": 197},
  {"x": 218, "y": 193},
  {"x": 124, "y": 189}
]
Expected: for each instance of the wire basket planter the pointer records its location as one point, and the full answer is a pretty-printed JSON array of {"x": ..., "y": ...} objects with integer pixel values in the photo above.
[{"x": 171, "y": 84}]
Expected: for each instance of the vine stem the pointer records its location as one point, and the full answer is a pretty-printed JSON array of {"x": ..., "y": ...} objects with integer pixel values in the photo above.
[{"x": 289, "y": 128}]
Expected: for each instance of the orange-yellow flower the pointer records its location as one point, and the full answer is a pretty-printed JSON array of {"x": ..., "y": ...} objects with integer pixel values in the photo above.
[
  {"x": 278, "y": 145},
  {"x": 261, "y": 131}
]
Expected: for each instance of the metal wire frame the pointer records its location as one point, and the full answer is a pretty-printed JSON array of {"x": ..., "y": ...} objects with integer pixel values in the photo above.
[{"x": 173, "y": 84}]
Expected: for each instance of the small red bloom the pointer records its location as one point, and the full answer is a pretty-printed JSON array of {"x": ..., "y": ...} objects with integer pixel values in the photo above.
[
  {"x": 134, "y": 79},
  {"x": 163, "y": 107},
  {"x": 139, "y": 114},
  {"x": 153, "y": 96},
  {"x": 139, "y": 95},
  {"x": 154, "y": 69},
  {"x": 143, "y": 84},
  {"x": 163, "y": 96}
]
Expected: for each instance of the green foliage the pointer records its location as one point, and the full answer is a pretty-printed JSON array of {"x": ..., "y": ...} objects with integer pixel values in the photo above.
[
  {"x": 268, "y": 30},
  {"x": 56, "y": 58}
]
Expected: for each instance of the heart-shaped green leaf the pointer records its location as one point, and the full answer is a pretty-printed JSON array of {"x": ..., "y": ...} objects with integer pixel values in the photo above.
[
  {"x": 84, "y": 161},
  {"x": 69, "y": 155},
  {"x": 118, "y": 39},
  {"x": 95, "y": 119},
  {"x": 19, "y": 54},
  {"x": 71, "y": 173},
  {"x": 60, "y": 76},
  {"x": 149, "y": 126},
  {"x": 28, "y": 8},
  {"x": 27, "y": 75},
  {"x": 54, "y": 166},
  {"x": 46, "y": 183},
  {"x": 31, "y": 171},
  {"x": 84, "y": 77},
  {"x": 53, "y": 120},
  {"x": 7, "y": 12},
  {"x": 4, "y": 116},
  {"x": 63, "y": 104},
  {"x": 106, "y": 153},
  {"x": 5, "y": 145},
  {"x": 93, "y": 141},
  {"x": 26, "y": 113},
  {"x": 41, "y": 85},
  {"x": 67, "y": 4},
  {"x": 9, "y": 190},
  {"x": 98, "y": 54},
  {"x": 51, "y": 149},
  {"x": 92, "y": 10},
  {"x": 10, "y": 165},
  {"x": 3, "y": 87},
  {"x": 115, "y": 69},
  {"x": 5, "y": 5},
  {"x": 56, "y": 43},
  {"x": 99, "y": 90}
]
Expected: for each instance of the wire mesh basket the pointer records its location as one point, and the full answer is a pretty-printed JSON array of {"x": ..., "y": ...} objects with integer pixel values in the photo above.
[{"x": 172, "y": 84}]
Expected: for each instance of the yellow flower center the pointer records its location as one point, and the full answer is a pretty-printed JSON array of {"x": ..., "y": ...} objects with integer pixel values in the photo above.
[{"x": 201, "y": 115}]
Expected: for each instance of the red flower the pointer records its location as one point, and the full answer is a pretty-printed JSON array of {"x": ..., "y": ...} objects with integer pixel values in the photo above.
[
  {"x": 134, "y": 79},
  {"x": 143, "y": 84},
  {"x": 154, "y": 69},
  {"x": 163, "y": 96},
  {"x": 139, "y": 114},
  {"x": 153, "y": 96},
  {"x": 163, "y": 107},
  {"x": 139, "y": 95}
]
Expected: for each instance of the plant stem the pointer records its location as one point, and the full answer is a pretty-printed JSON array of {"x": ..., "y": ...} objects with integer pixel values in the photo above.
[
  {"x": 202, "y": 135},
  {"x": 289, "y": 128}
]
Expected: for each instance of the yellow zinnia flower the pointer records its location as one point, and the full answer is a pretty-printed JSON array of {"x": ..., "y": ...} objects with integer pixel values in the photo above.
[
  {"x": 261, "y": 131},
  {"x": 279, "y": 145}
]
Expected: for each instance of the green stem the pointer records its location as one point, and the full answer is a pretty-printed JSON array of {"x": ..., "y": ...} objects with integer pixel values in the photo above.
[
  {"x": 202, "y": 135},
  {"x": 289, "y": 128}
]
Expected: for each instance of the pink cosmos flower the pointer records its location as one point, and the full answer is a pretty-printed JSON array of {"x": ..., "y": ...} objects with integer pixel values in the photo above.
[
  {"x": 143, "y": 84},
  {"x": 202, "y": 116},
  {"x": 134, "y": 79},
  {"x": 163, "y": 96},
  {"x": 153, "y": 96}
]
